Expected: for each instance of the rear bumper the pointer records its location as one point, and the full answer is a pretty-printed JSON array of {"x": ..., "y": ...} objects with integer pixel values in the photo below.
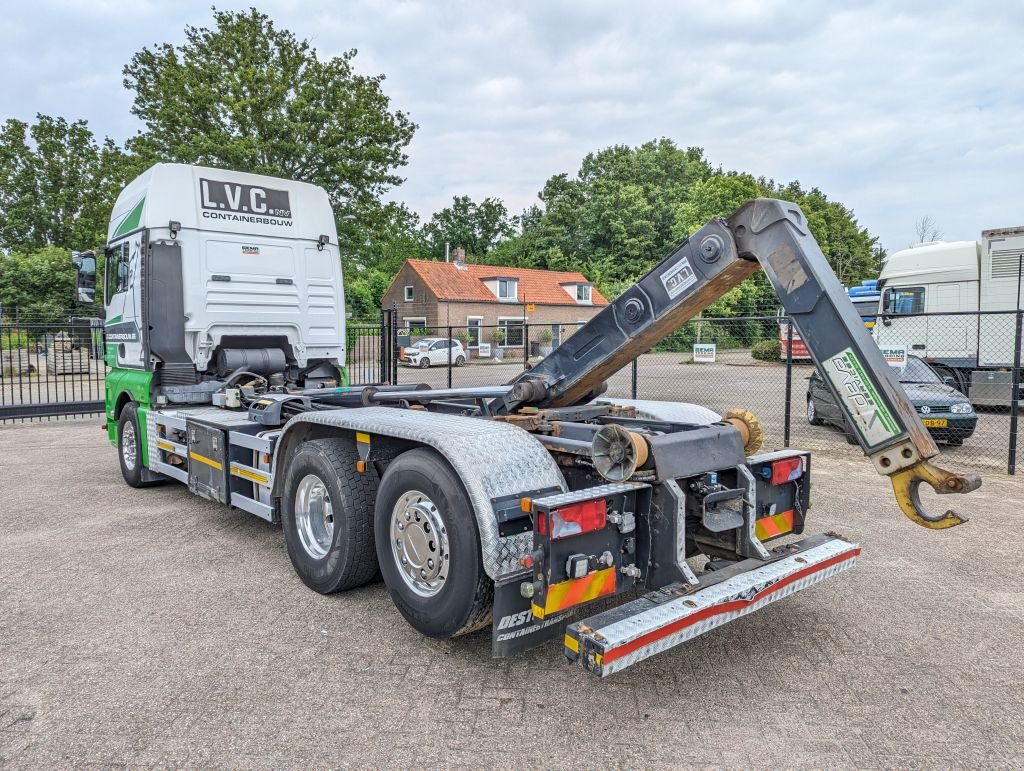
[{"x": 623, "y": 636}]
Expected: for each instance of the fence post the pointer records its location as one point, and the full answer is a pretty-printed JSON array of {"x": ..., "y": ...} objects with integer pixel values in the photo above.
[
  {"x": 632, "y": 388},
  {"x": 382, "y": 351},
  {"x": 1011, "y": 463},
  {"x": 526, "y": 346},
  {"x": 789, "y": 382},
  {"x": 394, "y": 344},
  {"x": 449, "y": 356}
]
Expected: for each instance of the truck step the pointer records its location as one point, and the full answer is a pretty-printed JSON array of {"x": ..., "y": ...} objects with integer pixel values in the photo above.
[{"x": 618, "y": 638}]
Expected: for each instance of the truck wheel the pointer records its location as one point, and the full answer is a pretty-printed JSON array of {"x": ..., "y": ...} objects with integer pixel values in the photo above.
[
  {"x": 327, "y": 517},
  {"x": 129, "y": 446},
  {"x": 812, "y": 414},
  {"x": 428, "y": 547}
]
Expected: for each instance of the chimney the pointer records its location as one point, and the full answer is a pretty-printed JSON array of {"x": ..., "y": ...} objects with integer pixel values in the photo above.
[{"x": 459, "y": 258}]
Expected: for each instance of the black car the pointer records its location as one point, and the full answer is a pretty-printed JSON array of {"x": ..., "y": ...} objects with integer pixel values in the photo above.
[{"x": 945, "y": 412}]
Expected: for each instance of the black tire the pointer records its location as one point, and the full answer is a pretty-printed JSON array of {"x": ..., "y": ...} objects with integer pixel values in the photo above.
[
  {"x": 348, "y": 559},
  {"x": 463, "y": 599},
  {"x": 460, "y": 360},
  {"x": 424, "y": 363},
  {"x": 129, "y": 436},
  {"x": 812, "y": 413}
]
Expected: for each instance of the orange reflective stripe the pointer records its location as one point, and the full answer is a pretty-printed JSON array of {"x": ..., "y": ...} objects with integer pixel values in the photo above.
[
  {"x": 777, "y": 524},
  {"x": 573, "y": 592}
]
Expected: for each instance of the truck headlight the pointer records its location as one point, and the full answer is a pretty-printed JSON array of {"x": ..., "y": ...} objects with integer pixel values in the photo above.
[{"x": 961, "y": 408}]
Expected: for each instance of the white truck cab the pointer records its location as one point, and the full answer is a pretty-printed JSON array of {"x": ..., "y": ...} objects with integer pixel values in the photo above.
[
  {"x": 925, "y": 287},
  {"x": 209, "y": 270}
]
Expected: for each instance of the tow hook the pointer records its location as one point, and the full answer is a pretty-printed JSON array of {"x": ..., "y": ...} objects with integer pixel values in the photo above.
[{"x": 906, "y": 484}]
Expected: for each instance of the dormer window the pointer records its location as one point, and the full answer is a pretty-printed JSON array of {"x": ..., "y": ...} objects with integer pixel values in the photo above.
[
  {"x": 583, "y": 293},
  {"x": 508, "y": 289}
]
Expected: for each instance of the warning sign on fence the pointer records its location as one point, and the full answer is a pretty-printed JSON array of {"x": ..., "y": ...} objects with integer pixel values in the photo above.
[
  {"x": 895, "y": 355},
  {"x": 704, "y": 353}
]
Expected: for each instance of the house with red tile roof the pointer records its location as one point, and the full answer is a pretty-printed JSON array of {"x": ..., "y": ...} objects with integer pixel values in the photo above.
[{"x": 476, "y": 300}]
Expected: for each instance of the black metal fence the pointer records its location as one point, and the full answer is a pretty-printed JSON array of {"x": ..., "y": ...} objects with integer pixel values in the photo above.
[
  {"x": 51, "y": 369},
  {"x": 754, "y": 363}
]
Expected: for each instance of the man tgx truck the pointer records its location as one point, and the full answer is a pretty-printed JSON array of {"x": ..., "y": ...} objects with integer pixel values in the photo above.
[{"x": 515, "y": 505}]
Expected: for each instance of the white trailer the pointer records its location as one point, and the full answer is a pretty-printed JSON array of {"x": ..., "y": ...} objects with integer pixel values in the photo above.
[{"x": 976, "y": 350}]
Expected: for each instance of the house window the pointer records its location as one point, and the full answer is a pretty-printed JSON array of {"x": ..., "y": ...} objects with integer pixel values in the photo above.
[
  {"x": 507, "y": 289},
  {"x": 513, "y": 332},
  {"x": 904, "y": 300},
  {"x": 583, "y": 293},
  {"x": 417, "y": 325},
  {"x": 408, "y": 294},
  {"x": 473, "y": 329}
]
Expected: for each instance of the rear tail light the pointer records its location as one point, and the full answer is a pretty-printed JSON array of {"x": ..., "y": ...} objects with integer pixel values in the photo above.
[
  {"x": 578, "y": 518},
  {"x": 784, "y": 470}
]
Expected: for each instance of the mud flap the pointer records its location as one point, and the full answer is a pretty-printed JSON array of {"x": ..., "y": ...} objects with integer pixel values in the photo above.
[{"x": 514, "y": 628}]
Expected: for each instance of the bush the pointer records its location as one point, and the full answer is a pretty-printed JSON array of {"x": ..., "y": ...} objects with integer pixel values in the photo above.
[
  {"x": 545, "y": 336},
  {"x": 766, "y": 350}
]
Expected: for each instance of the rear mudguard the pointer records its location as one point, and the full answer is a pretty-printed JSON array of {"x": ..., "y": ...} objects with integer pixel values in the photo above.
[{"x": 494, "y": 460}]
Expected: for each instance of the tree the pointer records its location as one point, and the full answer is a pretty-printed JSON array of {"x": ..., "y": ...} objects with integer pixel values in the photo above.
[
  {"x": 40, "y": 284},
  {"x": 615, "y": 218},
  {"x": 248, "y": 96},
  {"x": 57, "y": 184},
  {"x": 476, "y": 227},
  {"x": 925, "y": 229}
]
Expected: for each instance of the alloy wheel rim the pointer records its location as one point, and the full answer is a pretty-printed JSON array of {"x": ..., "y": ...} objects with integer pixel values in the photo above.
[
  {"x": 419, "y": 543},
  {"x": 129, "y": 445},
  {"x": 314, "y": 516}
]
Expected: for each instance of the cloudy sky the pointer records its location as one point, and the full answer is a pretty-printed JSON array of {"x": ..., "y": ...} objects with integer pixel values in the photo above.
[{"x": 897, "y": 108}]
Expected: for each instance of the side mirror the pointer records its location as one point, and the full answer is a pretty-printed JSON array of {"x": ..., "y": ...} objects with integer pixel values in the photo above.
[
  {"x": 949, "y": 380},
  {"x": 85, "y": 276}
]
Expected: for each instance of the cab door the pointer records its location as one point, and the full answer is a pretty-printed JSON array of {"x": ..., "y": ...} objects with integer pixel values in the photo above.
[
  {"x": 901, "y": 324},
  {"x": 122, "y": 300}
]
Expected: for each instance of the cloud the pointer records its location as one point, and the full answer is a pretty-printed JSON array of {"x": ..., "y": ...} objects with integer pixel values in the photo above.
[{"x": 895, "y": 108}]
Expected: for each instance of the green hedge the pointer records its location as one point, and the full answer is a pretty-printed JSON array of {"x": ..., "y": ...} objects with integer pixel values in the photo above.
[{"x": 766, "y": 350}]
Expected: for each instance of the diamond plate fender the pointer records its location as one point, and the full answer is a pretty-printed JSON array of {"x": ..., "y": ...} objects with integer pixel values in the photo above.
[{"x": 492, "y": 459}]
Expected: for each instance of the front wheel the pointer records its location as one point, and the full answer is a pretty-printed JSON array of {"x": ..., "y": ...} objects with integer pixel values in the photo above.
[
  {"x": 428, "y": 547},
  {"x": 424, "y": 362},
  {"x": 327, "y": 517},
  {"x": 129, "y": 446},
  {"x": 460, "y": 360},
  {"x": 812, "y": 414}
]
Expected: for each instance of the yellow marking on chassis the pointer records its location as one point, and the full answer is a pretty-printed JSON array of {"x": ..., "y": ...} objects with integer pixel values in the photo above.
[
  {"x": 572, "y": 644},
  {"x": 165, "y": 446},
  {"x": 203, "y": 459},
  {"x": 361, "y": 437},
  {"x": 252, "y": 476}
]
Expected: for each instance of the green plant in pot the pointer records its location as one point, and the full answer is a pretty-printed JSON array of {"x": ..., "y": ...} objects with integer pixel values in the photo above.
[
  {"x": 498, "y": 337},
  {"x": 545, "y": 338}
]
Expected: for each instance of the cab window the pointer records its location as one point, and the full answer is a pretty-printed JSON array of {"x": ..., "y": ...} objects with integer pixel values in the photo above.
[
  {"x": 116, "y": 269},
  {"x": 908, "y": 299}
]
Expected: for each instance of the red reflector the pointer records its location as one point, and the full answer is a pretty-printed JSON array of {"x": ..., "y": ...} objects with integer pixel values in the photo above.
[
  {"x": 579, "y": 518},
  {"x": 787, "y": 469},
  {"x": 542, "y": 523}
]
